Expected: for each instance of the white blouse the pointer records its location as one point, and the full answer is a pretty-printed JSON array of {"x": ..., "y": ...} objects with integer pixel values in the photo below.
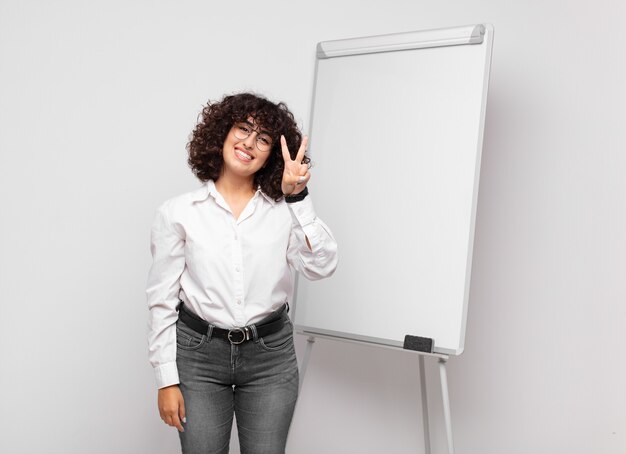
[{"x": 231, "y": 272}]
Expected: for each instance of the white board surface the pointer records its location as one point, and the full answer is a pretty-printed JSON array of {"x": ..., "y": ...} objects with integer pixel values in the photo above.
[{"x": 396, "y": 139}]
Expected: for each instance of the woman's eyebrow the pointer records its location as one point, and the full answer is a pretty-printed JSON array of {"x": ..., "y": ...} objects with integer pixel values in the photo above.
[{"x": 259, "y": 130}]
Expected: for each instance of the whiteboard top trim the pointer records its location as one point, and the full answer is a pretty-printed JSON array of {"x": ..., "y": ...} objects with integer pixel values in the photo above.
[{"x": 455, "y": 36}]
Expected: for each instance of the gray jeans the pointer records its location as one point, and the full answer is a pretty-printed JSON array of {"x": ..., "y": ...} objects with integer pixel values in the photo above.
[{"x": 257, "y": 381}]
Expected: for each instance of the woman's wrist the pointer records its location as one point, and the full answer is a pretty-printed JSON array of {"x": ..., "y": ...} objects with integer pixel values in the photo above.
[{"x": 297, "y": 197}]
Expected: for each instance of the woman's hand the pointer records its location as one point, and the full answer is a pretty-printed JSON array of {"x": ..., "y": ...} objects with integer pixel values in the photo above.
[
  {"x": 172, "y": 406},
  {"x": 296, "y": 174}
]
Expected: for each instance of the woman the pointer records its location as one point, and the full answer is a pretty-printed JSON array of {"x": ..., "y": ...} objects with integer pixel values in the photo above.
[{"x": 220, "y": 339}]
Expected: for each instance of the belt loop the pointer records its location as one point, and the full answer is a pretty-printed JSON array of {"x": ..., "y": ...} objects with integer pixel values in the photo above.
[
  {"x": 209, "y": 332},
  {"x": 255, "y": 335}
]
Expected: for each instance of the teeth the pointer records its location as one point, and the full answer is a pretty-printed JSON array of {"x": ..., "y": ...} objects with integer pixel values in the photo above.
[{"x": 243, "y": 155}]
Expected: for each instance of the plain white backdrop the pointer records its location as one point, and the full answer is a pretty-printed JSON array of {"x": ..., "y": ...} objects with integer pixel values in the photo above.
[{"x": 96, "y": 103}]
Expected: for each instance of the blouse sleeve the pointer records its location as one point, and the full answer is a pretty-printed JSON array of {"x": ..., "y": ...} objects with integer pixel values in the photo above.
[
  {"x": 167, "y": 244},
  {"x": 321, "y": 260}
]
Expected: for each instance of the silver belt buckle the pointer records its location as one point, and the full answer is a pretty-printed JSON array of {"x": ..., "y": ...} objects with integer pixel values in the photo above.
[{"x": 236, "y": 330}]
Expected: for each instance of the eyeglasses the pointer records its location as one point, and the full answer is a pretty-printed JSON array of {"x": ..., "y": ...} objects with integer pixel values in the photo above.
[{"x": 243, "y": 130}]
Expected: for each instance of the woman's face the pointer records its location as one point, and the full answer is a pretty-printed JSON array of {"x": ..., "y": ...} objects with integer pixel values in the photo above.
[{"x": 246, "y": 148}]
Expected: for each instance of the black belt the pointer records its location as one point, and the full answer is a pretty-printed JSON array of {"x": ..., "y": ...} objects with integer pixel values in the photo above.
[{"x": 236, "y": 335}]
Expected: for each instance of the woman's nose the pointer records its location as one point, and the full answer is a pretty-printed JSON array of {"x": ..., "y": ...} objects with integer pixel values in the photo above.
[{"x": 249, "y": 141}]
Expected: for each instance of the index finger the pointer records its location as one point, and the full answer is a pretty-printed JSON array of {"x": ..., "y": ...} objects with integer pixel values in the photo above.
[
  {"x": 283, "y": 146},
  {"x": 302, "y": 149},
  {"x": 176, "y": 423}
]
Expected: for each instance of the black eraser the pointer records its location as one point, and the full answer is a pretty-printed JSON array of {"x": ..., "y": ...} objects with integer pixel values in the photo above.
[{"x": 417, "y": 343}]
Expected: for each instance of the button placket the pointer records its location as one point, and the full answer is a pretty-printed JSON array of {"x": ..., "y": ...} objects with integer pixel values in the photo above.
[{"x": 238, "y": 284}]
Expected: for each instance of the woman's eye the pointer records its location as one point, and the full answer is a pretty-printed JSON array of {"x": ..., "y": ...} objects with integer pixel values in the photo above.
[
  {"x": 265, "y": 140},
  {"x": 245, "y": 129}
]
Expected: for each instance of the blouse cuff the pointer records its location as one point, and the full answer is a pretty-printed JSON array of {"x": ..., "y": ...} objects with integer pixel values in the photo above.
[
  {"x": 166, "y": 375},
  {"x": 303, "y": 211}
]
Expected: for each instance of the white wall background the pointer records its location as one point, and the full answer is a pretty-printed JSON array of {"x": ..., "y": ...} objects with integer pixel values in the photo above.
[{"x": 96, "y": 102}]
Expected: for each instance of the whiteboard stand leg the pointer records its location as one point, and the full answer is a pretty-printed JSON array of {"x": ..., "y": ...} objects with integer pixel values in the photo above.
[
  {"x": 305, "y": 361},
  {"x": 424, "y": 405},
  {"x": 446, "y": 403},
  {"x": 303, "y": 366}
]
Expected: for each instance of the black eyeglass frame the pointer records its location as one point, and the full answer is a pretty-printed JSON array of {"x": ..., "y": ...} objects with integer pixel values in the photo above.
[{"x": 239, "y": 134}]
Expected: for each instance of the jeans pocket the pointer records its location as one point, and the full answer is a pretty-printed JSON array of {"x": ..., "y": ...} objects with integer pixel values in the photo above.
[
  {"x": 278, "y": 340},
  {"x": 188, "y": 339}
]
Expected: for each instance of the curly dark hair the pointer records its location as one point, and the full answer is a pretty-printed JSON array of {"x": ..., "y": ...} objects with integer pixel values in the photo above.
[{"x": 217, "y": 118}]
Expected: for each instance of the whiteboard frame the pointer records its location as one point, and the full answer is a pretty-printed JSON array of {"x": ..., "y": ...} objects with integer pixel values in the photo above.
[{"x": 477, "y": 34}]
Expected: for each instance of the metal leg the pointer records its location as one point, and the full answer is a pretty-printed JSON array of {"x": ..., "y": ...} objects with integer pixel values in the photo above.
[
  {"x": 305, "y": 361},
  {"x": 424, "y": 405},
  {"x": 446, "y": 403}
]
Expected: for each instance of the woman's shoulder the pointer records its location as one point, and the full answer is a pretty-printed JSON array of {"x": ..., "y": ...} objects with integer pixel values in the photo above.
[{"x": 182, "y": 202}]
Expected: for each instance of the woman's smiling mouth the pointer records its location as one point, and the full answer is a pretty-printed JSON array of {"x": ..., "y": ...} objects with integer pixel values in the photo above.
[{"x": 243, "y": 156}]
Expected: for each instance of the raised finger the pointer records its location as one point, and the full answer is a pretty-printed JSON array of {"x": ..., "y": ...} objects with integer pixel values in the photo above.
[
  {"x": 302, "y": 149},
  {"x": 283, "y": 147}
]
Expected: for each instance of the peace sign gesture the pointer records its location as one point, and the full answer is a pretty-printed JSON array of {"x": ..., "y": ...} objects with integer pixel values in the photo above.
[{"x": 296, "y": 174}]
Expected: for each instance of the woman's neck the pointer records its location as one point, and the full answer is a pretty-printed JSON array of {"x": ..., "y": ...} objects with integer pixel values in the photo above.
[{"x": 235, "y": 187}]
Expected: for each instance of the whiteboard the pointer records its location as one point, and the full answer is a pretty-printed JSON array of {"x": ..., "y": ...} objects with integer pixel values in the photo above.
[{"x": 396, "y": 138}]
